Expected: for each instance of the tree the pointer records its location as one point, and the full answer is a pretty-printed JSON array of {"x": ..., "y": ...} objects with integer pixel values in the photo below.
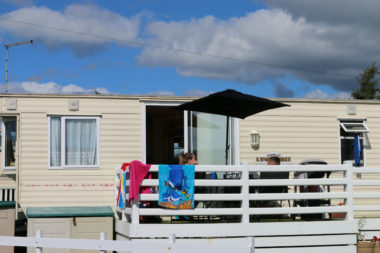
[{"x": 368, "y": 84}]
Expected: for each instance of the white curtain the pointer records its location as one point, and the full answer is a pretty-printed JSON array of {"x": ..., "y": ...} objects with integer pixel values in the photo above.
[
  {"x": 81, "y": 142},
  {"x": 55, "y": 141}
]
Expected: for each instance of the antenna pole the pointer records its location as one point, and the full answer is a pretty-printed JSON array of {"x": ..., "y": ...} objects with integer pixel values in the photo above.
[{"x": 7, "y": 46}]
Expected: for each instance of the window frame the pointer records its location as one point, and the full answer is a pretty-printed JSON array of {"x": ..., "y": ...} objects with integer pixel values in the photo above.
[
  {"x": 63, "y": 119},
  {"x": 343, "y": 125},
  {"x": 1, "y": 134},
  {"x": 3, "y": 141}
]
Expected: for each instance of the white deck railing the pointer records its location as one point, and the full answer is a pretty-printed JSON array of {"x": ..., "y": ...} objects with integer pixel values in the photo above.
[
  {"x": 361, "y": 190},
  {"x": 239, "y": 198}
]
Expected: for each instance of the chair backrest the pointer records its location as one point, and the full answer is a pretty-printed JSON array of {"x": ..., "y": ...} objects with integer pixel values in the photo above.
[
  {"x": 274, "y": 175},
  {"x": 316, "y": 174}
]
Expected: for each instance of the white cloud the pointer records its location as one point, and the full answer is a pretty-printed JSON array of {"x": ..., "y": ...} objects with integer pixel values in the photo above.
[
  {"x": 81, "y": 18},
  {"x": 197, "y": 93},
  {"x": 40, "y": 88},
  {"x": 30, "y": 87},
  {"x": 249, "y": 48},
  {"x": 342, "y": 95},
  {"x": 72, "y": 88},
  {"x": 319, "y": 94},
  {"x": 363, "y": 13}
]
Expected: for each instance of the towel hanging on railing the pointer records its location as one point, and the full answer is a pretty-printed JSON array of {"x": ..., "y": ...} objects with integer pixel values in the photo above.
[
  {"x": 122, "y": 186},
  {"x": 138, "y": 171},
  {"x": 176, "y": 186}
]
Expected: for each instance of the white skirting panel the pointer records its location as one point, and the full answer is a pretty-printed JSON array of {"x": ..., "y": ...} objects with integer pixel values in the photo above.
[
  {"x": 236, "y": 229},
  {"x": 295, "y": 244},
  {"x": 332, "y": 249},
  {"x": 276, "y": 237}
]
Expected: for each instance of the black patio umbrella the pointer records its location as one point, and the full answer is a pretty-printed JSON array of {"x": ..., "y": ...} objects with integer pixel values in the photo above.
[{"x": 231, "y": 103}]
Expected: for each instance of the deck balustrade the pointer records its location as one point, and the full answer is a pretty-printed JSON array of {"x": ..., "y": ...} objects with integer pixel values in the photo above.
[{"x": 238, "y": 200}]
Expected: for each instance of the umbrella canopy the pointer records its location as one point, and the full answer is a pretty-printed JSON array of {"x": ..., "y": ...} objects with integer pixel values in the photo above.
[{"x": 231, "y": 103}]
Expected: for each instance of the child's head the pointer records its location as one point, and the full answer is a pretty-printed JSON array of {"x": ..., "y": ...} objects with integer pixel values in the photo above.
[
  {"x": 273, "y": 158},
  {"x": 187, "y": 158}
]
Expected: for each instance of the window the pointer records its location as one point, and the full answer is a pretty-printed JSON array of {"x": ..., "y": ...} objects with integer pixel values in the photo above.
[
  {"x": 74, "y": 142},
  {"x": 9, "y": 141},
  {"x": 1, "y": 134},
  {"x": 354, "y": 127},
  {"x": 352, "y": 136}
]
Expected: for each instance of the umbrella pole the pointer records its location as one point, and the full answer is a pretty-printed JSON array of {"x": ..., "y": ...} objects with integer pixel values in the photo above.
[{"x": 227, "y": 140}]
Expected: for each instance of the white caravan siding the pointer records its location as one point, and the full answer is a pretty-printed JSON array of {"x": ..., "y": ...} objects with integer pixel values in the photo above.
[
  {"x": 120, "y": 141},
  {"x": 308, "y": 130}
]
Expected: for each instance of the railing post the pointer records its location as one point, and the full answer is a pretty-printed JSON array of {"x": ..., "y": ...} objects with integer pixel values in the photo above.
[
  {"x": 103, "y": 236},
  {"x": 245, "y": 193},
  {"x": 251, "y": 244},
  {"x": 38, "y": 235},
  {"x": 171, "y": 241},
  {"x": 172, "y": 238},
  {"x": 350, "y": 192},
  {"x": 135, "y": 212}
]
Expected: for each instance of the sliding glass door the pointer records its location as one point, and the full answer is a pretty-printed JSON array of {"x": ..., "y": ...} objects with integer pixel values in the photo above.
[
  {"x": 168, "y": 132},
  {"x": 207, "y": 137}
]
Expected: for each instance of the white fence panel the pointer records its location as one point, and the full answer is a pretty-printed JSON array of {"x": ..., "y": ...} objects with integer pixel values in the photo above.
[{"x": 131, "y": 246}]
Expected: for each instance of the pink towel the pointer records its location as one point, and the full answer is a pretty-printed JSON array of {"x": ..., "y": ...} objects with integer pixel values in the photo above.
[{"x": 138, "y": 171}]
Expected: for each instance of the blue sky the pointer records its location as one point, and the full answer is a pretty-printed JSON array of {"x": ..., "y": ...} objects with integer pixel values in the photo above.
[{"x": 269, "y": 48}]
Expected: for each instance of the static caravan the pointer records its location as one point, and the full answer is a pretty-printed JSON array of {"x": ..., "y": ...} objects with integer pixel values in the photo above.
[
  {"x": 40, "y": 141},
  {"x": 62, "y": 150}
]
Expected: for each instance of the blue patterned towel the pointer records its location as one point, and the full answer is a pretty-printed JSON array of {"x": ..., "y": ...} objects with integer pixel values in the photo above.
[{"x": 176, "y": 186}]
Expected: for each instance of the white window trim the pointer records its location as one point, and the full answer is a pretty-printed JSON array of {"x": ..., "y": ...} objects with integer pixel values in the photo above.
[
  {"x": 63, "y": 143},
  {"x": 8, "y": 168},
  {"x": 340, "y": 121},
  {"x": 342, "y": 124}
]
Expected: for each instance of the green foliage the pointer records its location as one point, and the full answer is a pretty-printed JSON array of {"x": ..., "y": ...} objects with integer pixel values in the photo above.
[{"x": 368, "y": 84}]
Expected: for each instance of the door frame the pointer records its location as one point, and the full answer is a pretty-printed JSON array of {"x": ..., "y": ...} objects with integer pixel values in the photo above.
[
  {"x": 146, "y": 103},
  {"x": 235, "y": 130}
]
